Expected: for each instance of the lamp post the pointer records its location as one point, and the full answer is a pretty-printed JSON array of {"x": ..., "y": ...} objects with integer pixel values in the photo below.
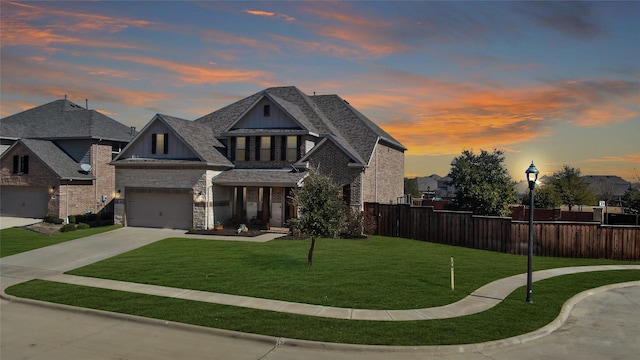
[{"x": 532, "y": 176}]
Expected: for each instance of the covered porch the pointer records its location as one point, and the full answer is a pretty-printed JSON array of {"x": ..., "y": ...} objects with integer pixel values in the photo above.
[{"x": 256, "y": 197}]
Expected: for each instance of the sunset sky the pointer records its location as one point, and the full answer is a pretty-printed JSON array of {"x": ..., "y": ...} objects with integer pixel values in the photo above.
[{"x": 553, "y": 82}]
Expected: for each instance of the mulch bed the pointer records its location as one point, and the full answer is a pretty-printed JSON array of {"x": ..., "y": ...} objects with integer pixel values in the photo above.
[
  {"x": 226, "y": 232},
  {"x": 44, "y": 228}
]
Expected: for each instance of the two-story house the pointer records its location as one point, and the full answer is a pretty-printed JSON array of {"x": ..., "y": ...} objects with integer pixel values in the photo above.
[
  {"x": 240, "y": 163},
  {"x": 55, "y": 160}
]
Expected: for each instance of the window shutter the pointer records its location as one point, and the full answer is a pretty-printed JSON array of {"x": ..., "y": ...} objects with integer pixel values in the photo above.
[
  {"x": 258, "y": 147},
  {"x": 273, "y": 148},
  {"x": 233, "y": 149},
  {"x": 166, "y": 143},
  {"x": 283, "y": 148},
  {"x": 16, "y": 164},
  {"x": 25, "y": 164},
  {"x": 154, "y": 140},
  {"x": 246, "y": 149}
]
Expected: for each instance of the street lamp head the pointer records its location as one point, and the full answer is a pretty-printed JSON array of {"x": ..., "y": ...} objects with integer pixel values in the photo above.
[{"x": 532, "y": 171}]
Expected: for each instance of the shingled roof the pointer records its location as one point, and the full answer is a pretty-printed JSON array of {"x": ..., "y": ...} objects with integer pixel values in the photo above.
[
  {"x": 260, "y": 177},
  {"x": 325, "y": 115},
  {"x": 200, "y": 138},
  {"x": 63, "y": 166},
  {"x": 62, "y": 119}
]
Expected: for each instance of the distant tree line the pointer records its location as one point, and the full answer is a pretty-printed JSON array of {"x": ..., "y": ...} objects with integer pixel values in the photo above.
[{"x": 483, "y": 186}]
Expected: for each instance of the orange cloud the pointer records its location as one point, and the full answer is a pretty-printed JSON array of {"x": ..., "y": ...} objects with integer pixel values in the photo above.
[
  {"x": 64, "y": 27},
  {"x": 436, "y": 117},
  {"x": 370, "y": 36},
  {"x": 629, "y": 158},
  {"x": 318, "y": 47},
  {"x": 196, "y": 75},
  {"x": 270, "y": 14},
  {"x": 225, "y": 38},
  {"x": 83, "y": 21}
]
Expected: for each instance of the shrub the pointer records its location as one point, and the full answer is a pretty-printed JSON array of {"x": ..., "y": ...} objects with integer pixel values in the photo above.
[
  {"x": 354, "y": 225},
  {"x": 52, "y": 219},
  {"x": 358, "y": 225},
  {"x": 68, "y": 227},
  {"x": 82, "y": 226},
  {"x": 72, "y": 219},
  {"x": 294, "y": 227},
  {"x": 80, "y": 218}
]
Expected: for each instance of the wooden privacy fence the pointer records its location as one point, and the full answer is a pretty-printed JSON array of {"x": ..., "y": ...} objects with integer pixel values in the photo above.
[{"x": 560, "y": 239}]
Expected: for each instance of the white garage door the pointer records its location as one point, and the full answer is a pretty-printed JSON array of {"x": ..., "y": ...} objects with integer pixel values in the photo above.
[
  {"x": 24, "y": 201},
  {"x": 159, "y": 210}
]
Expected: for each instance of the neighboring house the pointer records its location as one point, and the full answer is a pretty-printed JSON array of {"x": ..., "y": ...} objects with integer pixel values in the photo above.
[
  {"x": 55, "y": 160},
  {"x": 240, "y": 163},
  {"x": 435, "y": 187},
  {"x": 609, "y": 188}
]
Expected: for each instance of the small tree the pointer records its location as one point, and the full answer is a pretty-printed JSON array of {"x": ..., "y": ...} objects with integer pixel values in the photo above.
[
  {"x": 631, "y": 201},
  {"x": 544, "y": 197},
  {"x": 411, "y": 187},
  {"x": 320, "y": 207},
  {"x": 482, "y": 183},
  {"x": 571, "y": 187}
]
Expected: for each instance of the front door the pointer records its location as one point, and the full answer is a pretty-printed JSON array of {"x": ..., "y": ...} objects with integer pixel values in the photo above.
[{"x": 276, "y": 214}]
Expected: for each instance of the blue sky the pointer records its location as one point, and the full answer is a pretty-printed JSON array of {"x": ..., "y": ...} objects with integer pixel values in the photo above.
[{"x": 553, "y": 82}]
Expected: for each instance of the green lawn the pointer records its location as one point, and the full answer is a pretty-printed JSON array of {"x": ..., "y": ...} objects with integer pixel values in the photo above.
[
  {"x": 17, "y": 240},
  {"x": 511, "y": 317},
  {"x": 376, "y": 273}
]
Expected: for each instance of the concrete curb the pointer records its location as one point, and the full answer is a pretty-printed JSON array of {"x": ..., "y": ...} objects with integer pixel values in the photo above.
[{"x": 279, "y": 341}]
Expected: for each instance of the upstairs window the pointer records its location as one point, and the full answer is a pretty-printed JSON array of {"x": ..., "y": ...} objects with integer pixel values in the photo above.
[
  {"x": 266, "y": 110},
  {"x": 265, "y": 148},
  {"x": 160, "y": 143},
  {"x": 20, "y": 164},
  {"x": 242, "y": 152},
  {"x": 292, "y": 148}
]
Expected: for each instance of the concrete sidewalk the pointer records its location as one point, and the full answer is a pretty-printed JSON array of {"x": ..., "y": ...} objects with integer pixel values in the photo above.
[{"x": 480, "y": 300}]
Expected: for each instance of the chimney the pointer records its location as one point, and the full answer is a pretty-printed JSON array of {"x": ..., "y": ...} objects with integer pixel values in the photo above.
[
  {"x": 65, "y": 96},
  {"x": 86, "y": 104},
  {"x": 133, "y": 131}
]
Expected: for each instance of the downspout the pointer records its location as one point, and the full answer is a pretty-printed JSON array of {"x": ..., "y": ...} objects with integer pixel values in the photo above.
[
  {"x": 67, "y": 198},
  {"x": 95, "y": 181},
  {"x": 376, "y": 173},
  {"x": 206, "y": 205}
]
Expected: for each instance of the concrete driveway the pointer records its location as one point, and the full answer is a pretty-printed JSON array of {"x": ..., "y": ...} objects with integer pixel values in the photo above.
[{"x": 9, "y": 222}]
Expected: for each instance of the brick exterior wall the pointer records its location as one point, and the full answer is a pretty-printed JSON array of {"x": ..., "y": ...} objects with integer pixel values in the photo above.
[
  {"x": 105, "y": 176},
  {"x": 39, "y": 174},
  {"x": 333, "y": 162},
  {"x": 275, "y": 163},
  {"x": 383, "y": 180},
  {"x": 83, "y": 195}
]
